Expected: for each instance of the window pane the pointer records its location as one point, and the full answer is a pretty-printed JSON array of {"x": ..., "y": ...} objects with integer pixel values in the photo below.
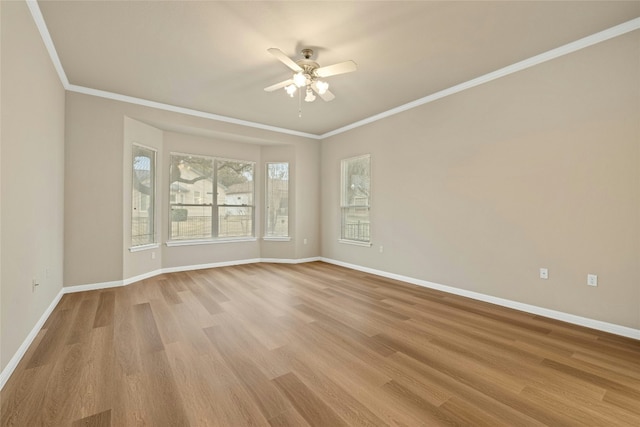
[
  {"x": 355, "y": 224},
  {"x": 191, "y": 197},
  {"x": 235, "y": 198},
  {"x": 235, "y": 221},
  {"x": 190, "y": 222},
  {"x": 277, "y": 200},
  {"x": 356, "y": 181},
  {"x": 356, "y": 187},
  {"x": 143, "y": 196}
]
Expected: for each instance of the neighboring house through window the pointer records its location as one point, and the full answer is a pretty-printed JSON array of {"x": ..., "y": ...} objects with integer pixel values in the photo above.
[{"x": 210, "y": 198}]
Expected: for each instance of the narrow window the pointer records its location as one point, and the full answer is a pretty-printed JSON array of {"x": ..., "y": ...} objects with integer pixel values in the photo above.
[
  {"x": 277, "y": 200},
  {"x": 356, "y": 197},
  {"x": 234, "y": 181},
  {"x": 143, "y": 196}
]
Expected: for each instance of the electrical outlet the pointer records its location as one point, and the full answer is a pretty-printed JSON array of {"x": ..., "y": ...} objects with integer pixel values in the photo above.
[
  {"x": 381, "y": 249},
  {"x": 304, "y": 241},
  {"x": 592, "y": 279},
  {"x": 544, "y": 273},
  {"x": 153, "y": 255}
]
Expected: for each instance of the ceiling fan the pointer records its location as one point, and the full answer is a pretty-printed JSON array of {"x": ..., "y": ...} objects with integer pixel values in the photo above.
[{"x": 307, "y": 73}]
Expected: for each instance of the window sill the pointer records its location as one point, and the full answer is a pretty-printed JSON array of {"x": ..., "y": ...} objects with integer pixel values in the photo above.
[
  {"x": 209, "y": 241},
  {"x": 355, "y": 243},
  {"x": 143, "y": 247},
  {"x": 276, "y": 239}
]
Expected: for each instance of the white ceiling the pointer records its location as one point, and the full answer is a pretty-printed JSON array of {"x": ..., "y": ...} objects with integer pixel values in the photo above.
[{"x": 212, "y": 56}]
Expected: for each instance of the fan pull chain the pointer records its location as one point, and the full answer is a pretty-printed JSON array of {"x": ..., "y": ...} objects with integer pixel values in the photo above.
[{"x": 300, "y": 104}]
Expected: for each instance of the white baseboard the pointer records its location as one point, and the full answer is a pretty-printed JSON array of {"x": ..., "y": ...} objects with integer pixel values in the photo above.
[
  {"x": 289, "y": 261},
  {"x": 210, "y": 265},
  {"x": 92, "y": 287},
  {"x": 13, "y": 363},
  {"x": 553, "y": 314}
]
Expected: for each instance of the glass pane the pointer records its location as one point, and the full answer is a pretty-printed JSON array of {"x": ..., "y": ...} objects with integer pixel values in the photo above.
[
  {"x": 191, "y": 196},
  {"x": 235, "y": 182},
  {"x": 143, "y": 196},
  {"x": 277, "y": 200},
  {"x": 235, "y": 221},
  {"x": 235, "y": 198},
  {"x": 356, "y": 181},
  {"x": 355, "y": 224},
  {"x": 190, "y": 222}
]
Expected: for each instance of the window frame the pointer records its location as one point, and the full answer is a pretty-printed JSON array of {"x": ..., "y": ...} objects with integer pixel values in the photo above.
[
  {"x": 345, "y": 206},
  {"x": 274, "y": 237},
  {"x": 153, "y": 173},
  {"x": 214, "y": 236}
]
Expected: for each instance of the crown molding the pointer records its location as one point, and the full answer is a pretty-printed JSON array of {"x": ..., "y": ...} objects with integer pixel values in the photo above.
[
  {"x": 182, "y": 110},
  {"x": 566, "y": 49},
  {"x": 48, "y": 42}
]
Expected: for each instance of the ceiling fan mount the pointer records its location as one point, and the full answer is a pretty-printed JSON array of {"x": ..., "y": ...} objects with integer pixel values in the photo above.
[
  {"x": 307, "y": 73},
  {"x": 307, "y": 53}
]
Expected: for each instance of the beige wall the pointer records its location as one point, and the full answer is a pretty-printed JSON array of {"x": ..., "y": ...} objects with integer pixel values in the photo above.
[
  {"x": 307, "y": 184},
  {"x": 97, "y": 187},
  {"x": 481, "y": 189},
  {"x": 32, "y": 178},
  {"x": 94, "y": 176}
]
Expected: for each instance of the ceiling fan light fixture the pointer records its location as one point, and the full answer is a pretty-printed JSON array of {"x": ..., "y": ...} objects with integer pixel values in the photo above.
[
  {"x": 310, "y": 96},
  {"x": 291, "y": 90},
  {"x": 299, "y": 79},
  {"x": 322, "y": 87},
  {"x": 307, "y": 74}
]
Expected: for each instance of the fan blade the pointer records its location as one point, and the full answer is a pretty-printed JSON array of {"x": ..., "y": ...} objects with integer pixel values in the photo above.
[
  {"x": 326, "y": 96},
  {"x": 278, "y": 85},
  {"x": 340, "y": 68},
  {"x": 284, "y": 59}
]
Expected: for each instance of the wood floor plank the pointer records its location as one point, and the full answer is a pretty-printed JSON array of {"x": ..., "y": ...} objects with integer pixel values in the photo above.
[
  {"x": 313, "y": 344},
  {"x": 343, "y": 403},
  {"x": 53, "y": 341},
  {"x": 198, "y": 381},
  {"x": 102, "y": 419},
  {"x": 83, "y": 322},
  {"x": 431, "y": 414},
  {"x": 165, "y": 405},
  {"x": 313, "y": 409},
  {"x": 461, "y": 390},
  {"x": 169, "y": 292},
  {"x": 147, "y": 329},
  {"x": 289, "y": 418},
  {"x": 267, "y": 397},
  {"x": 104, "y": 312},
  {"x": 356, "y": 384}
]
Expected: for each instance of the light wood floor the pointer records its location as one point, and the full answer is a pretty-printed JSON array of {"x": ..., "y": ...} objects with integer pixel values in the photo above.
[{"x": 313, "y": 344}]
